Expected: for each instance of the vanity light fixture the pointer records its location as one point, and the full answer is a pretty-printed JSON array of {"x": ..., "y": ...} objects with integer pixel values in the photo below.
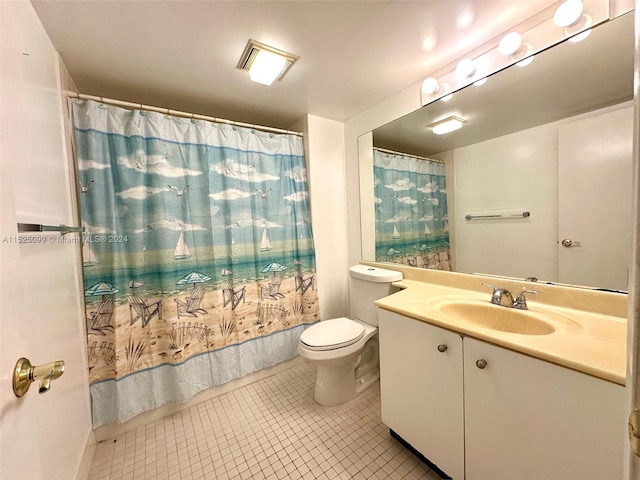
[
  {"x": 466, "y": 68},
  {"x": 447, "y": 125},
  {"x": 581, "y": 36},
  {"x": 568, "y": 13},
  {"x": 264, "y": 63},
  {"x": 525, "y": 62},
  {"x": 510, "y": 44},
  {"x": 430, "y": 86}
]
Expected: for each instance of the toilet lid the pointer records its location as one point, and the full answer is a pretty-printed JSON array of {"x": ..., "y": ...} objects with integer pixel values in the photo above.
[{"x": 332, "y": 334}]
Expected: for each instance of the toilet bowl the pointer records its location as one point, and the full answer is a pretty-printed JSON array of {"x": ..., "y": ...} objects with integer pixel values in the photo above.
[
  {"x": 346, "y": 355},
  {"x": 345, "y": 351}
]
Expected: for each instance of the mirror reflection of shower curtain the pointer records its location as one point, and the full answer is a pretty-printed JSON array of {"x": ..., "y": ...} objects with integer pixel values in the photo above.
[
  {"x": 198, "y": 239},
  {"x": 411, "y": 211}
]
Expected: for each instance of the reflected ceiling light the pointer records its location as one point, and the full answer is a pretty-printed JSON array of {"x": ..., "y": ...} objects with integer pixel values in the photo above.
[
  {"x": 480, "y": 82},
  {"x": 447, "y": 125},
  {"x": 446, "y": 98},
  {"x": 466, "y": 68},
  {"x": 264, "y": 63},
  {"x": 510, "y": 44},
  {"x": 568, "y": 13}
]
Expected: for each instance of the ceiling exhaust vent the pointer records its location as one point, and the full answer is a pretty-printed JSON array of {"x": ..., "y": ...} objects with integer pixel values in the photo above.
[{"x": 258, "y": 55}]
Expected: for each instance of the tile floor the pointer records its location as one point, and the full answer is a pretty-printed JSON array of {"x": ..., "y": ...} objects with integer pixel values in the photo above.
[{"x": 270, "y": 429}]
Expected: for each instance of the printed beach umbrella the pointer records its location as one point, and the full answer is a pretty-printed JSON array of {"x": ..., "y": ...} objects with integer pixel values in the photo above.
[
  {"x": 393, "y": 252},
  {"x": 193, "y": 277},
  {"x": 274, "y": 267},
  {"x": 100, "y": 288}
]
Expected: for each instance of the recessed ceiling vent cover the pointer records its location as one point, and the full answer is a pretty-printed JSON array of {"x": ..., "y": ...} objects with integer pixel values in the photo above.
[{"x": 253, "y": 49}]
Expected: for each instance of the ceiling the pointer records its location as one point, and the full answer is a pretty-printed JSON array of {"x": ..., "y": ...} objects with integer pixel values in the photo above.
[
  {"x": 183, "y": 54},
  {"x": 566, "y": 80}
]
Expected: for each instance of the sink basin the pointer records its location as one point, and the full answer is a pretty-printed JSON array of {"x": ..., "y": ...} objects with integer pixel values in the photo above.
[{"x": 495, "y": 317}]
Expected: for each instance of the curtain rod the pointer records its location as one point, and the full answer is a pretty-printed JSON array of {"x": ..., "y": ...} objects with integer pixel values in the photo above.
[
  {"x": 177, "y": 113},
  {"x": 384, "y": 150}
]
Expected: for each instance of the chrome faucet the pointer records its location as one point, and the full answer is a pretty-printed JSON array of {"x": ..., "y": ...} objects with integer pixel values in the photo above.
[
  {"x": 504, "y": 298},
  {"x": 500, "y": 296},
  {"x": 521, "y": 302}
]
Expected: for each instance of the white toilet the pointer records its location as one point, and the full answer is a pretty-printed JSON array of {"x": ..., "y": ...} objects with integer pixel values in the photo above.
[{"x": 346, "y": 351}]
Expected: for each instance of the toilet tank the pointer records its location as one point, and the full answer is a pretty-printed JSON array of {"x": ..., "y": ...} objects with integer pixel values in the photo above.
[{"x": 369, "y": 284}]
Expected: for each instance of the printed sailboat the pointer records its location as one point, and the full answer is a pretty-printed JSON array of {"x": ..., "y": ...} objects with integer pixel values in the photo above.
[
  {"x": 88, "y": 255},
  {"x": 181, "y": 251},
  {"x": 395, "y": 234},
  {"x": 265, "y": 244},
  {"x": 426, "y": 229}
]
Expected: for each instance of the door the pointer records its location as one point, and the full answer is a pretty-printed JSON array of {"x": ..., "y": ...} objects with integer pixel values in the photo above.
[
  {"x": 43, "y": 436},
  {"x": 595, "y": 173}
]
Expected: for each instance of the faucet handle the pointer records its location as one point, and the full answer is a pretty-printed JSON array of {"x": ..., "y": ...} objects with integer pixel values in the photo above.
[
  {"x": 500, "y": 296},
  {"x": 521, "y": 301}
]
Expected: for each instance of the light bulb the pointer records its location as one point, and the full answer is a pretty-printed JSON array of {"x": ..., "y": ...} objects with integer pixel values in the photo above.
[
  {"x": 568, "y": 13},
  {"x": 430, "y": 86},
  {"x": 466, "y": 68},
  {"x": 510, "y": 44}
]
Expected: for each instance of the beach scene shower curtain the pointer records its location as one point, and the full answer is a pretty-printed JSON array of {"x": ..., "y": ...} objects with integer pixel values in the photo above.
[
  {"x": 199, "y": 263},
  {"x": 411, "y": 211}
]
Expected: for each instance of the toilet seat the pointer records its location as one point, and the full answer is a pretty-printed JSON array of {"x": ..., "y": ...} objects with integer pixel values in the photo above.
[{"x": 332, "y": 334}]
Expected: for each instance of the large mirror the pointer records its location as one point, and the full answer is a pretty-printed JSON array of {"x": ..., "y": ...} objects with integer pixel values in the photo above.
[{"x": 536, "y": 183}]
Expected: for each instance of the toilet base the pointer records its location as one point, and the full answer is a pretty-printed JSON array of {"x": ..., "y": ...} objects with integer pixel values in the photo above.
[{"x": 335, "y": 385}]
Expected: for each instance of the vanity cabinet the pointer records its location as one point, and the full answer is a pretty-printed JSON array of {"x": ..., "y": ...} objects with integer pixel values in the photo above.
[
  {"x": 421, "y": 388},
  {"x": 481, "y": 412},
  {"x": 529, "y": 419}
]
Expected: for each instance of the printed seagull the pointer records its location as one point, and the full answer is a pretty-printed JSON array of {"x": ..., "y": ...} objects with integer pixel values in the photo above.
[
  {"x": 179, "y": 192},
  {"x": 263, "y": 194},
  {"x": 85, "y": 189}
]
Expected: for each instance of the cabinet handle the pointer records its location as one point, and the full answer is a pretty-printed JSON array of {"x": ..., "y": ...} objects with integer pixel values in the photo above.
[
  {"x": 442, "y": 348},
  {"x": 481, "y": 364}
]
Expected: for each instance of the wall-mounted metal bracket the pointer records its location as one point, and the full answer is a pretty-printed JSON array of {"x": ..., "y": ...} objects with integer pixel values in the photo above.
[{"x": 35, "y": 227}]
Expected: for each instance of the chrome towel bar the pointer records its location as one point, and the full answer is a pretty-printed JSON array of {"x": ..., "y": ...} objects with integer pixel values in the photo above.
[{"x": 498, "y": 215}]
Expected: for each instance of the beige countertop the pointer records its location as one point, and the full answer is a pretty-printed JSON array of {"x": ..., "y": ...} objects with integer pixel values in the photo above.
[{"x": 587, "y": 341}]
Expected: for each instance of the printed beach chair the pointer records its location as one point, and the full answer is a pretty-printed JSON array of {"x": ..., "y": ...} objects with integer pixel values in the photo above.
[
  {"x": 100, "y": 320},
  {"x": 271, "y": 290},
  {"x": 191, "y": 306},
  {"x": 304, "y": 283},
  {"x": 229, "y": 295},
  {"x": 145, "y": 311}
]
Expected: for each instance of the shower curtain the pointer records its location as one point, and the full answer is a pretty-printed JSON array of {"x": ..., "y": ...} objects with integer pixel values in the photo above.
[
  {"x": 411, "y": 211},
  {"x": 199, "y": 263}
]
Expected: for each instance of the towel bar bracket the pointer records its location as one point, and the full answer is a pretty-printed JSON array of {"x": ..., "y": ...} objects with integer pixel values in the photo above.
[{"x": 35, "y": 227}]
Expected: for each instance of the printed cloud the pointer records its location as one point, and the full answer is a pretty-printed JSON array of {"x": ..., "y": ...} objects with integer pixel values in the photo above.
[
  {"x": 139, "y": 193},
  {"x": 231, "y": 168},
  {"x": 231, "y": 194},
  {"x": 84, "y": 164},
  {"x": 155, "y": 164},
  {"x": 401, "y": 185}
]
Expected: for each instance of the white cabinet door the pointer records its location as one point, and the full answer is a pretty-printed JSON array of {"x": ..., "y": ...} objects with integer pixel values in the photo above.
[
  {"x": 529, "y": 419},
  {"x": 421, "y": 388}
]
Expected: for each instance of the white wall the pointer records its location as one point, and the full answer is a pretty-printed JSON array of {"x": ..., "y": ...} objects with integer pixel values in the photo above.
[
  {"x": 508, "y": 174},
  {"x": 41, "y": 316},
  {"x": 520, "y": 172},
  {"x": 324, "y": 151}
]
